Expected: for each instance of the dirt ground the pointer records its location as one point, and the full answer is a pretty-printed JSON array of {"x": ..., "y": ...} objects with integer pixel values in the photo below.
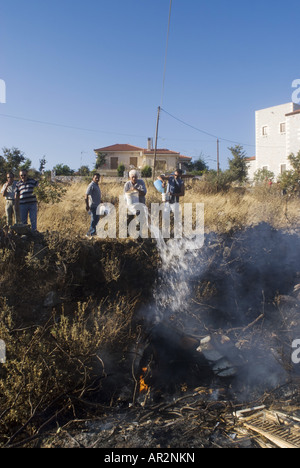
[
  {"x": 243, "y": 300},
  {"x": 246, "y": 300}
]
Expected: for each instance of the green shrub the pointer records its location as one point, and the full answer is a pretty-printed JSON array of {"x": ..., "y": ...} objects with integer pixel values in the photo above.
[
  {"x": 262, "y": 176},
  {"x": 147, "y": 171},
  {"x": 212, "y": 182},
  {"x": 120, "y": 170},
  {"x": 51, "y": 368},
  {"x": 290, "y": 180}
]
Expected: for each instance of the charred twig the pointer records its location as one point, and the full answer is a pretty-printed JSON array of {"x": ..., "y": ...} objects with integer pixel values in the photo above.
[
  {"x": 254, "y": 322},
  {"x": 133, "y": 367}
]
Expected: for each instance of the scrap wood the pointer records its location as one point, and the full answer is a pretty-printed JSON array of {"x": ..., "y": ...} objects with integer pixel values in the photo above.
[
  {"x": 278, "y": 440},
  {"x": 277, "y": 427}
]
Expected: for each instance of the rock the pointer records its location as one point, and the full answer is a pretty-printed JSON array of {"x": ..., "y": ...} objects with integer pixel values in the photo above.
[
  {"x": 21, "y": 229},
  {"x": 224, "y": 368},
  {"x": 51, "y": 300},
  {"x": 215, "y": 350}
]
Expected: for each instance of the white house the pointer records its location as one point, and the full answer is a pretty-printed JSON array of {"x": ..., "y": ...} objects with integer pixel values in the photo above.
[
  {"x": 277, "y": 136},
  {"x": 136, "y": 157}
]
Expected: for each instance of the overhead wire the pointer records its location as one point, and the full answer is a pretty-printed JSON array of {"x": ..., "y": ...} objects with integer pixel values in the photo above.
[
  {"x": 218, "y": 138},
  {"x": 159, "y": 110},
  {"x": 53, "y": 124},
  {"x": 213, "y": 135},
  {"x": 162, "y": 91},
  {"x": 166, "y": 55}
]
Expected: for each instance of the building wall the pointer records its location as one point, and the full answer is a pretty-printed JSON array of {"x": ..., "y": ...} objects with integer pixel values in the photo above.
[
  {"x": 274, "y": 132},
  {"x": 123, "y": 158},
  {"x": 165, "y": 162},
  {"x": 293, "y": 134},
  {"x": 251, "y": 168},
  {"x": 270, "y": 141}
]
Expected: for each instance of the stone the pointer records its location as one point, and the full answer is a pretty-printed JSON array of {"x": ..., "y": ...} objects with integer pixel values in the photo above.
[{"x": 51, "y": 299}]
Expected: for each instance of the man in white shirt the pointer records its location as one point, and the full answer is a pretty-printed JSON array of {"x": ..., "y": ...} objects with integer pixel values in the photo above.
[
  {"x": 135, "y": 184},
  {"x": 9, "y": 193}
]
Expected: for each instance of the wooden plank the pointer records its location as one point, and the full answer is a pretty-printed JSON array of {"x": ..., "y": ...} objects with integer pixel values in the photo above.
[{"x": 280, "y": 442}]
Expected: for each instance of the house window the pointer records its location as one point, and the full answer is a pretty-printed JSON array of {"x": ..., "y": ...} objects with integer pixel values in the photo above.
[
  {"x": 133, "y": 161},
  {"x": 161, "y": 165},
  {"x": 265, "y": 131},
  {"x": 282, "y": 168},
  {"x": 114, "y": 163},
  {"x": 282, "y": 127}
]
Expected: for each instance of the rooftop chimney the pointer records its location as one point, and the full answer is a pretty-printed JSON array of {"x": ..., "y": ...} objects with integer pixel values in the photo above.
[{"x": 150, "y": 144}]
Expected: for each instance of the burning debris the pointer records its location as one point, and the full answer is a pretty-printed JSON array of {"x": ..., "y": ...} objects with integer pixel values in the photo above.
[
  {"x": 216, "y": 338},
  {"x": 279, "y": 429},
  {"x": 227, "y": 310},
  {"x": 216, "y": 352},
  {"x": 143, "y": 386},
  {"x": 201, "y": 418}
]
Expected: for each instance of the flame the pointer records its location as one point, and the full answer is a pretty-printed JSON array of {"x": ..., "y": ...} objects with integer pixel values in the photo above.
[{"x": 143, "y": 386}]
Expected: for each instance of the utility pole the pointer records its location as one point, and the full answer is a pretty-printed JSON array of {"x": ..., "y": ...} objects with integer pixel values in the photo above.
[
  {"x": 218, "y": 157},
  {"x": 155, "y": 147}
]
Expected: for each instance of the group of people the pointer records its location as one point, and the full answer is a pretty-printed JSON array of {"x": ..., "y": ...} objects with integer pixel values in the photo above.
[
  {"x": 175, "y": 189},
  {"x": 21, "y": 200}
]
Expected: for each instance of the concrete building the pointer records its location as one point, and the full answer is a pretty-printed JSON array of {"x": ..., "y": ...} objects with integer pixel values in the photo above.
[
  {"x": 135, "y": 157},
  {"x": 277, "y": 136}
]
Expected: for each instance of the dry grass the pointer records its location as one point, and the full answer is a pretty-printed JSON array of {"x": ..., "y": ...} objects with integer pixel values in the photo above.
[
  {"x": 52, "y": 360},
  {"x": 242, "y": 208},
  {"x": 223, "y": 211}
]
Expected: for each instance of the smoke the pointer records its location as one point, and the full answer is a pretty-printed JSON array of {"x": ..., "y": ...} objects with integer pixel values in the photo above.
[
  {"x": 180, "y": 264},
  {"x": 245, "y": 272}
]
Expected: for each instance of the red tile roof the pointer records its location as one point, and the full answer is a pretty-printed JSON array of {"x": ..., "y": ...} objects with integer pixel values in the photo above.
[
  {"x": 129, "y": 148},
  {"x": 185, "y": 157},
  {"x": 118, "y": 147},
  {"x": 160, "y": 151}
]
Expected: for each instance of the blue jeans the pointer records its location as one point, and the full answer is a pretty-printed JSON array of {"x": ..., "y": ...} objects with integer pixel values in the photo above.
[
  {"x": 31, "y": 210},
  {"x": 94, "y": 221}
]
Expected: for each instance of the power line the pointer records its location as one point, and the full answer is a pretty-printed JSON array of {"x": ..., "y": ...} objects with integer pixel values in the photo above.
[
  {"x": 215, "y": 136},
  {"x": 70, "y": 127},
  {"x": 188, "y": 125},
  {"x": 162, "y": 92},
  {"x": 166, "y": 54}
]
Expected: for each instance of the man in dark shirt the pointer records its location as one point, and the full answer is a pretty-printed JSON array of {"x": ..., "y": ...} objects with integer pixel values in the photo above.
[
  {"x": 92, "y": 203},
  {"x": 176, "y": 187},
  {"x": 26, "y": 199}
]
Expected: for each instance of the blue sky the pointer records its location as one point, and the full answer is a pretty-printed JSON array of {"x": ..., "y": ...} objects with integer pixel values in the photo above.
[{"x": 85, "y": 74}]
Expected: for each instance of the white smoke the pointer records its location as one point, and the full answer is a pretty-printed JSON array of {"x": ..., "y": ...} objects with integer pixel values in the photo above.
[{"x": 178, "y": 265}]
